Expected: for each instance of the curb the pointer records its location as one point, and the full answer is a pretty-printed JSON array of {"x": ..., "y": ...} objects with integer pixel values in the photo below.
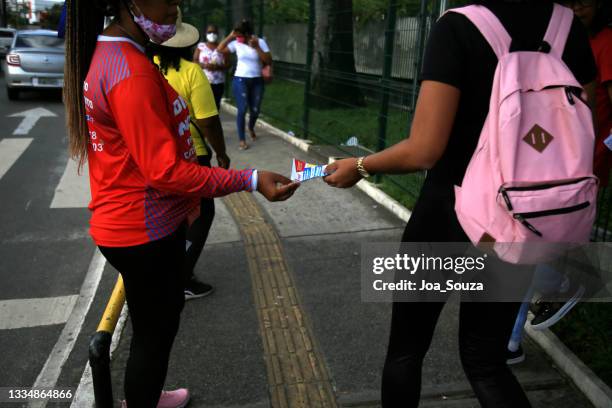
[
  {"x": 585, "y": 379},
  {"x": 596, "y": 391}
]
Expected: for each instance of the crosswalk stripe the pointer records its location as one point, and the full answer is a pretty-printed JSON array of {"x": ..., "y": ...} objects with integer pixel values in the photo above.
[
  {"x": 20, "y": 313},
  {"x": 10, "y": 150},
  {"x": 73, "y": 189}
]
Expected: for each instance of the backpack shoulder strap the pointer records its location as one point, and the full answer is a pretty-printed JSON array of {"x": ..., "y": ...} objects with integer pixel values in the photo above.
[
  {"x": 489, "y": 26},
  {"x": 558, "y": 29}
]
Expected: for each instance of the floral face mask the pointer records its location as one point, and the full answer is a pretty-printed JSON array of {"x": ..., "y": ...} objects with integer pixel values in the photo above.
[{"x": 158, "y": 33}]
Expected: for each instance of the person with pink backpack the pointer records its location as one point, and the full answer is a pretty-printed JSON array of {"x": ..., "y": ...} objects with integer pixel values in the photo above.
[{"x": 503, "y": 127}]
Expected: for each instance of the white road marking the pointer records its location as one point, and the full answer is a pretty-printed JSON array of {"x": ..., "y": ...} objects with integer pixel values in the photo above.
[
  {"x": 10, "y": 151},
  {"x": 30, "y": 117},
  {"x": 73, "y": 189},
  {"x": 19, "y": 313},
  {"x": 84, "y": 395},
  {"x": 57, "y": 358},
  {"x": 47, "y": 237}
]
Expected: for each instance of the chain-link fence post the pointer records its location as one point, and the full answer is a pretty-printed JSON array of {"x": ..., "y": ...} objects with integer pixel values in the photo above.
[
  {"x": 229, "y": 26},
  {"x": 307, "y": 67},
  {"x": 262, "y": 20},
  {"x": 386, "y": 76},
  {"x": 419, "y": 55}
]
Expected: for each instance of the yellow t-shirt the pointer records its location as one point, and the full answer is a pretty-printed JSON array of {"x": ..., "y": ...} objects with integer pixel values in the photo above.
[{"x": 191, "y": 83}]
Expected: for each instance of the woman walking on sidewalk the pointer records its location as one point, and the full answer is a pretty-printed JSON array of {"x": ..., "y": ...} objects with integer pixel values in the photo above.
[
  {"x": 248, "y": 84},
  {"x": 458, "y": 73},
  {"x": 133, "y": 129},
  {"x": 213, "y": 62},
  {"x": 186, "y": 78}
]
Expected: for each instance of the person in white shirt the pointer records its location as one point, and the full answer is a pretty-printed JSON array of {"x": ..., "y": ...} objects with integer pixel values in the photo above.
[{"x": 253, "y": 54}]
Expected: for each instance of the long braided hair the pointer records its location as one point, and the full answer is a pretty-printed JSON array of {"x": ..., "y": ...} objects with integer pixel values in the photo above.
[{"x": 84, "y": 22}]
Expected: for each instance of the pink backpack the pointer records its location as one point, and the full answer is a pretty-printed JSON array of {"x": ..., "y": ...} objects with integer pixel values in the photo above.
[{"x": 529, "y": 190}]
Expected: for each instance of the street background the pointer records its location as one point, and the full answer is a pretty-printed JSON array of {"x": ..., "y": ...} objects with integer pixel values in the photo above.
[{"x": 346, "y": 84}]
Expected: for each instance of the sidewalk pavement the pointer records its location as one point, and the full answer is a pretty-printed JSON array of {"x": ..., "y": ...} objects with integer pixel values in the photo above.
[{"x": 286, "y": 326}]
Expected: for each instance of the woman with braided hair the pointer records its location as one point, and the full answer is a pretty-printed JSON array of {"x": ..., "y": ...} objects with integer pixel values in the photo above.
[{"x": 133, "y": 130}]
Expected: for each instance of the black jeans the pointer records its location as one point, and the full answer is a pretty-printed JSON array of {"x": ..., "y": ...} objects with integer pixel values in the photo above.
[
  {"x": 154, "y": 288},
  {"x": 197, "y": 233},
  {"x": 484, "y": 330},
  {"x": 218, "y": 90}
]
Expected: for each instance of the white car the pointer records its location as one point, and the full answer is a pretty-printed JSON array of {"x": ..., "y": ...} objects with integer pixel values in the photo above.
[{"x": 34, "y": 61}]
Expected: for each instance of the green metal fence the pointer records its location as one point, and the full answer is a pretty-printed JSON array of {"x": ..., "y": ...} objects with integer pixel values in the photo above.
[{"x": 344, "y": 70}]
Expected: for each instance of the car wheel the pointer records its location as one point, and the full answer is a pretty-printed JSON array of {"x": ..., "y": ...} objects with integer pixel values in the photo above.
[{"x": 13, "y": 94}]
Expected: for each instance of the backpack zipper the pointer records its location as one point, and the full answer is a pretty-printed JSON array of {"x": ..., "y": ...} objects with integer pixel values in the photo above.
[
  {"x": 504, "y": 190},
  {"x": 569, "y": 95},
  {"x": 531, "y": 228},
  {"x": 522, "y": 217},
  {"x": 545, "y": 186}
]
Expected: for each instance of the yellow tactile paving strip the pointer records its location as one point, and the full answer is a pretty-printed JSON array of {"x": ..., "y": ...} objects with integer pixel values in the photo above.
[{"x": 297, "y": 374}]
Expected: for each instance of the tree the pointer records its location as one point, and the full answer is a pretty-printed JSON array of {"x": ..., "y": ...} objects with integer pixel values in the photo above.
[
  {"x": 241, "y": 9},
  {"x": 17, "y": 14},
  {"x": 50, "y": 18},
  {"x": 333, "y": 74}
]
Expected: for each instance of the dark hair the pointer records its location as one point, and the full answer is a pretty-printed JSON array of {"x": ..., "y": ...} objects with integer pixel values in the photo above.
[
  {"x": 603, "y": 16},
  {"x": 84, "y": 22},
  {"x": 169, "y": 57},
  {"x": 513, "y": 1},
  {"x": 245, "y": 27},
  {"x": 214, "y": 26}
]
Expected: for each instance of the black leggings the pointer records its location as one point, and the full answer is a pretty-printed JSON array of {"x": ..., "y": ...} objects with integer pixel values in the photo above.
[
  {"x": 218, "y": 90},
  {"x": 154, "y": 287},
  {"x": 197, "y": 233},
  {"x": 484, "y": 328}
]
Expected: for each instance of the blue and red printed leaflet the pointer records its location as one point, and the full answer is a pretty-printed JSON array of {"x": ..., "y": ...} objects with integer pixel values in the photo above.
[{"x": 302, "y": 171}]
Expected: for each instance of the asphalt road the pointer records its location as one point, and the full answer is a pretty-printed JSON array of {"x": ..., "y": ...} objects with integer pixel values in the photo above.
[{"x": 45, "y": 250}]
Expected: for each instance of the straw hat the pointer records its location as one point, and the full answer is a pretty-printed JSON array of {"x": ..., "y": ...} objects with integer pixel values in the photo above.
[{"x": 186, "y": 34}]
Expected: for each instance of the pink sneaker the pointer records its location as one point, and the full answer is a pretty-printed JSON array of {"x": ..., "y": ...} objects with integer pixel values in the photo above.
[
  {"x": 174, "y": 399},
  {"x": 170, "y": 399}
]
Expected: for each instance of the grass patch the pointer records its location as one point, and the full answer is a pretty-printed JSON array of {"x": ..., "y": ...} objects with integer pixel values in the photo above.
[{"x": 587, "y": 331}]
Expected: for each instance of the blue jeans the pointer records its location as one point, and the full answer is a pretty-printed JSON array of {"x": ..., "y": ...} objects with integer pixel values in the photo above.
[
  {"x": 248, "y": 93},
  {"x": 545, "y": 280}
]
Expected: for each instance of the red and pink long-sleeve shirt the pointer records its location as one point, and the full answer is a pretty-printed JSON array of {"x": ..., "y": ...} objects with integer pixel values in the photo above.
[{"x": 142, "y": 163}]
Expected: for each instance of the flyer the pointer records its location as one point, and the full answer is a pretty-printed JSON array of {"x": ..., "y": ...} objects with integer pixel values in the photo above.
[{"x": 302, "y": 171}]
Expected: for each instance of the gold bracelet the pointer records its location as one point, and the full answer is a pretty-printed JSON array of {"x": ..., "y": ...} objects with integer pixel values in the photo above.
[{"x": 360, "y": 169}]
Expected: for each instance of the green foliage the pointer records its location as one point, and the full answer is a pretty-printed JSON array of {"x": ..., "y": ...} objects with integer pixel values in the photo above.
[
  {"x": 17, "y": 15},
  {"x": 587, "y": 331},
  {"x": 286, "y": 11},
  {"x": 51, "y": 17},
  {"x": 372, "y": 10},
  {"x": 201, "y": 13}
]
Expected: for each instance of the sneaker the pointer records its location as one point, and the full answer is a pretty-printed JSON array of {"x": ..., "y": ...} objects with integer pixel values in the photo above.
[
  {"x": 515, "y": 357},
  {"x": 548, "y": 313},
  {"x": 196, "y": 289},
  {"x": 174, "y": 399},
  {"x": 170, "y": 399}
]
